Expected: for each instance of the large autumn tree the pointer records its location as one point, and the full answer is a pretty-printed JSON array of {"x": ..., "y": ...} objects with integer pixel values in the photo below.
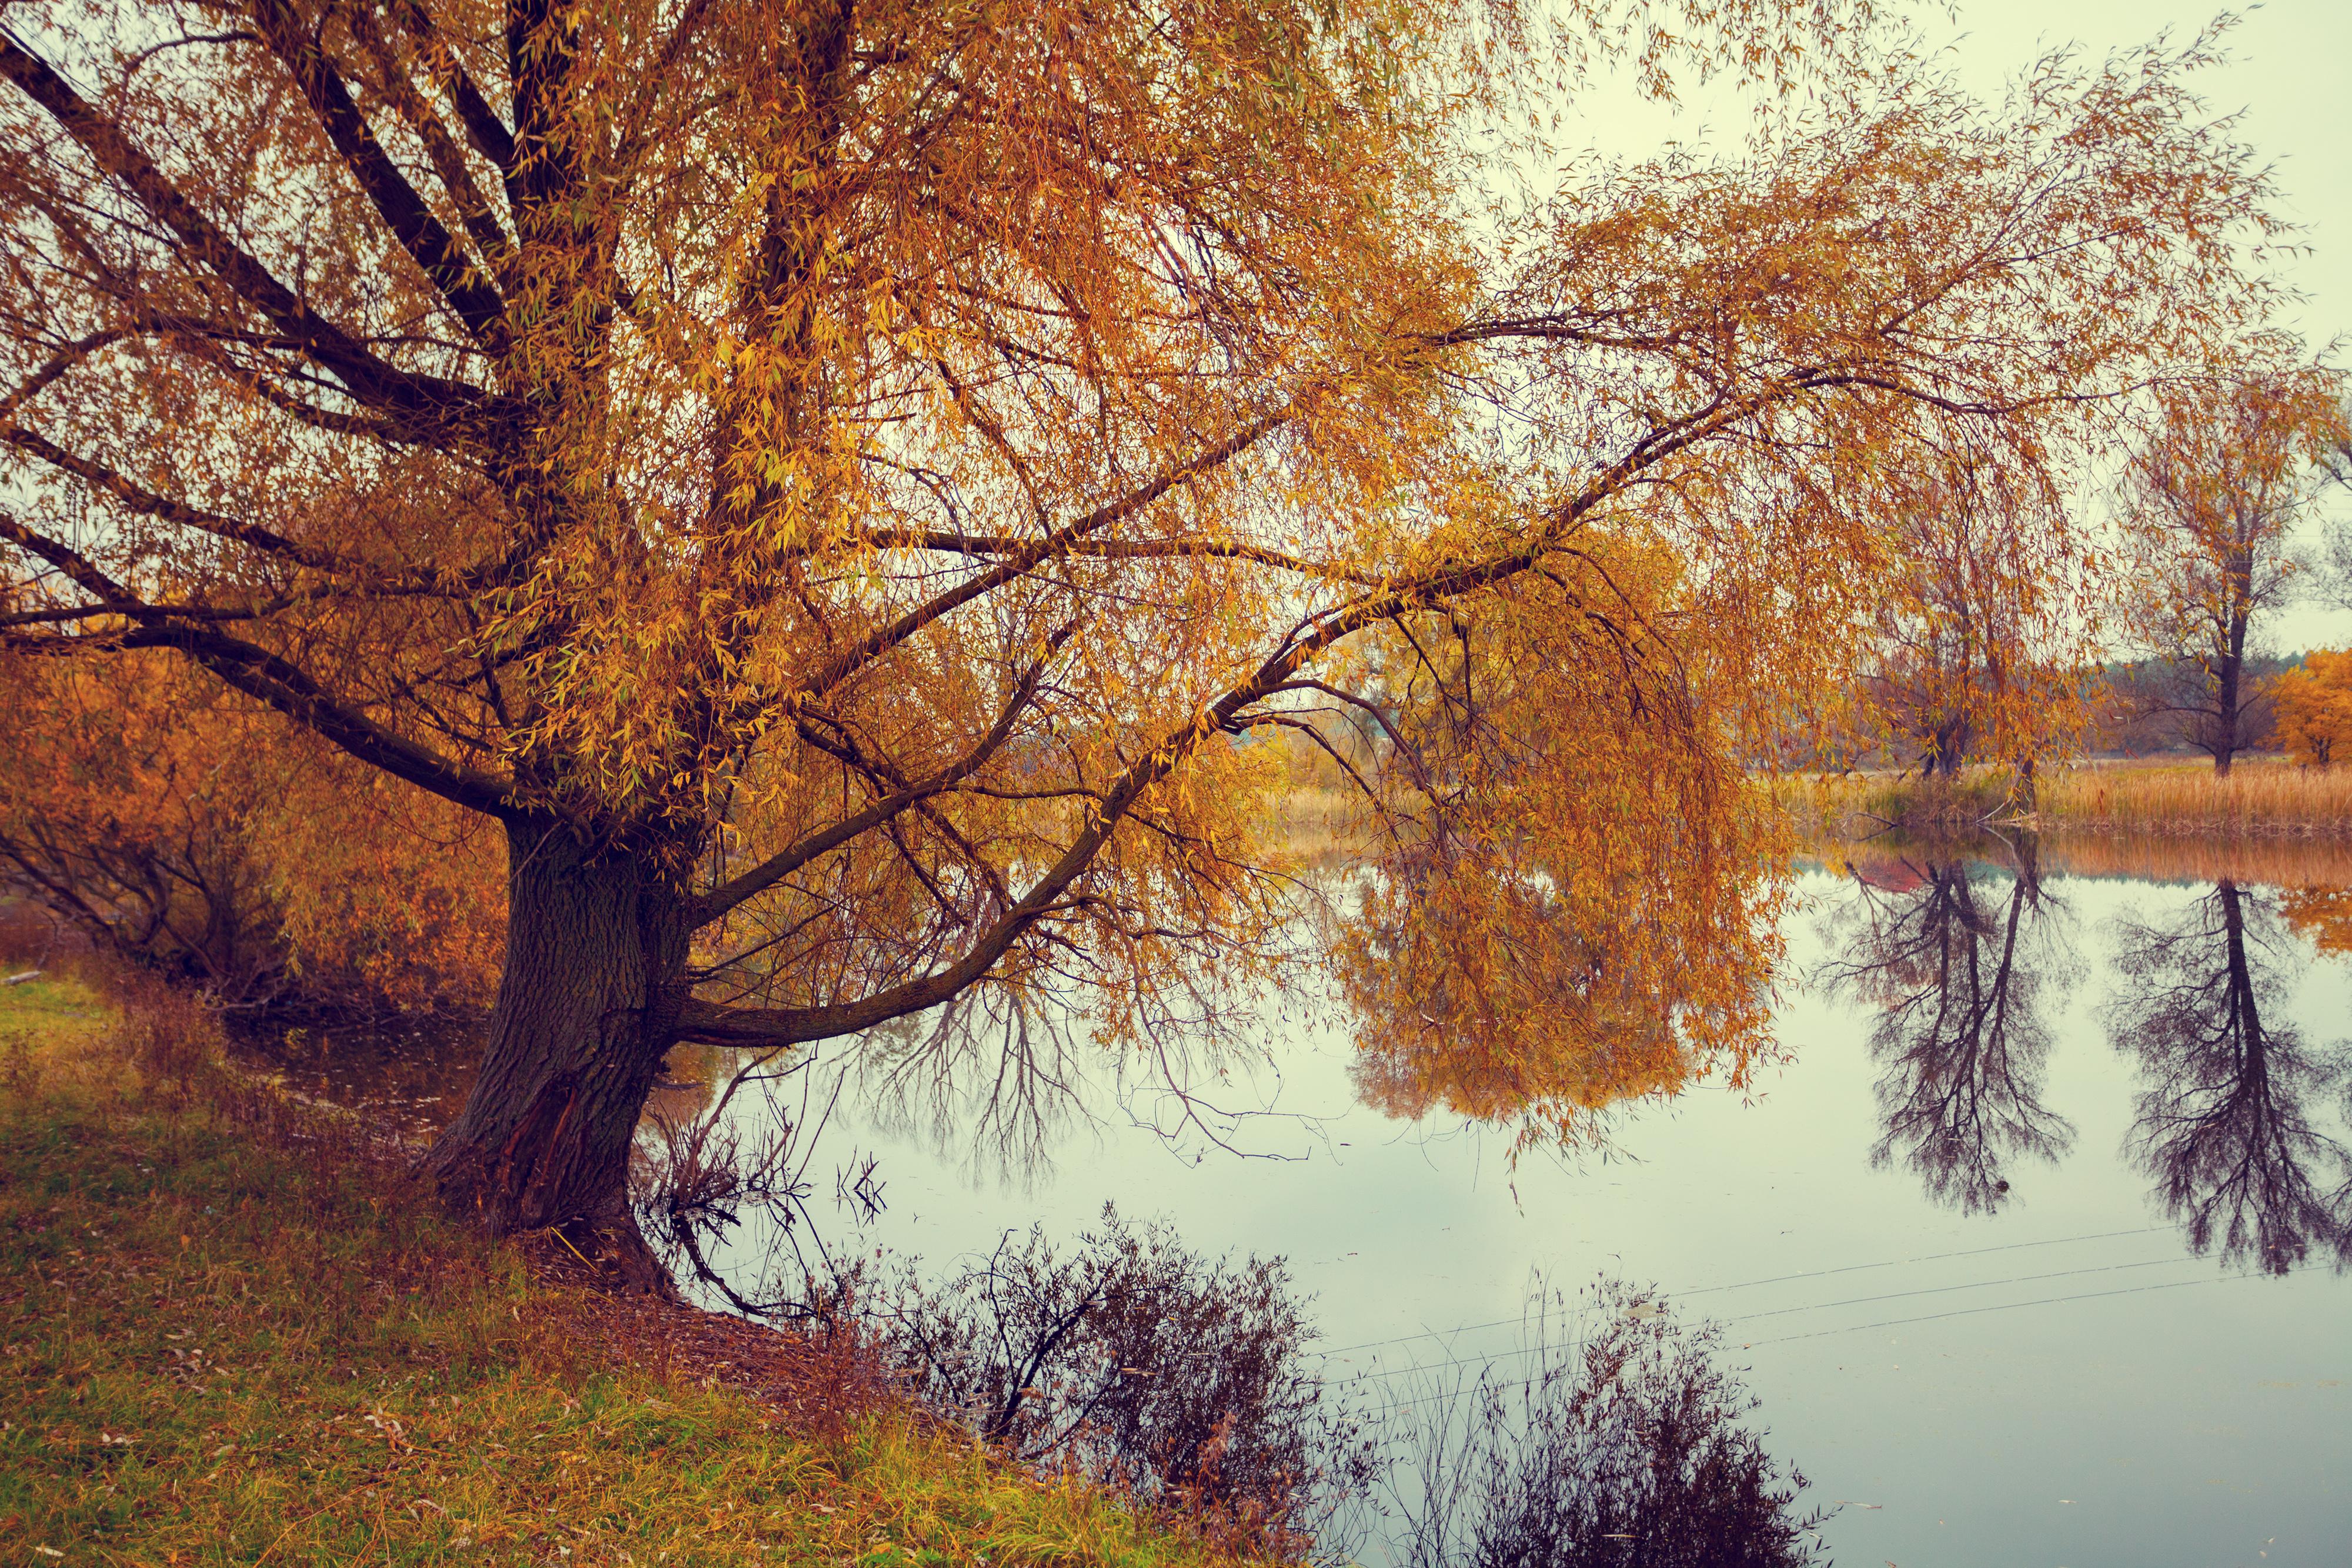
[{"x": 840, "y": 480}]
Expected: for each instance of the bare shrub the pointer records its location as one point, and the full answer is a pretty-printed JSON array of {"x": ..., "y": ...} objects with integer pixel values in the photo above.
[
  {"x": 1623, "y": 1446},
  {"x": 1185, "y": 1381}
]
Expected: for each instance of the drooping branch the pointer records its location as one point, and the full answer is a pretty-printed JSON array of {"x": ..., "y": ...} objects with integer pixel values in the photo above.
[
  {"x": 718, "y": 1025},
  {"x": 285, "y": 686},
  {"x": 164, "y": 508}
]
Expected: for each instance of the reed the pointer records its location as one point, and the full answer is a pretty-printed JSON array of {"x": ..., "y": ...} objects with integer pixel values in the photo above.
[{"x": 2261, "y": 797}]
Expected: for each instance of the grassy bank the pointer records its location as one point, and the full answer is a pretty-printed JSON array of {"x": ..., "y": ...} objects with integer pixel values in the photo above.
[
  {"x": 2261, "y": 797},
  {"x": 230, "y": 1334}
]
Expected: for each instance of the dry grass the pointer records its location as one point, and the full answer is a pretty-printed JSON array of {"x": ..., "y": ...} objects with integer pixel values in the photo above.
[
  {"x": 230, "y": 1338},
  {"x": 1322, "y": 823},
  {"x": 2261, "y": 797}
]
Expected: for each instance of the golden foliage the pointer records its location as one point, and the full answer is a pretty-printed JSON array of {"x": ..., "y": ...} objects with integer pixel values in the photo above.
[
  {"x": 183, "y": 828},
  {"x": 2314, "y": 703}
]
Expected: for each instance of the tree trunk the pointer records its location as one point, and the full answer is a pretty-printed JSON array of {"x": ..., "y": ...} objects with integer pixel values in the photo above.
[
  {"x": 588, "y": 1003},
  {"x": 2225, "y": 723},
  {"x": 2231, "y": 676}
]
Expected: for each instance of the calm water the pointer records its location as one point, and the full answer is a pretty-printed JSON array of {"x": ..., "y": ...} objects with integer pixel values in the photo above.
[
  {"x": 2034, "y": 1248},
  {"x": 1955, "y": 1238}
]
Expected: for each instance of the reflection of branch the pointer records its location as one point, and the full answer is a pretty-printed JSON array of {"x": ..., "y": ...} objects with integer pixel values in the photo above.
[
  {"x": 1042, "y": 1351},
  {"x": 1959, "y": 1037},
  {"x": 2223, "y": 1125}
]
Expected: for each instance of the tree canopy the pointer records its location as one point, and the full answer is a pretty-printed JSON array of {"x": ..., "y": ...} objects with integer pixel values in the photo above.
[{"x": 844, "y": 482}]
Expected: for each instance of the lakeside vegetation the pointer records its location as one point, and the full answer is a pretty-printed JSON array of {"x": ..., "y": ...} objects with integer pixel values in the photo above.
[
  {"x": 231, "y": 1335},
  {"x": 2264, "y": 796}
]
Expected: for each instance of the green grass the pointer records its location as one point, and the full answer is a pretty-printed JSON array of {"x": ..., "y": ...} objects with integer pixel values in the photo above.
[{"x": 220, "y": 1345}]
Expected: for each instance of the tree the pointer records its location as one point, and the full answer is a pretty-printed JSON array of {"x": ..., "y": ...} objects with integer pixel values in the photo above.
[
  {"x": 1971, "y": 643},
  {"x": 833, "y": 481},
  {"x": 2213, "y": 498},
  {"x": 2314, "y": 706},
  {"x": 2228, "y": 1123},
  {"x": 184, "y": 829}
]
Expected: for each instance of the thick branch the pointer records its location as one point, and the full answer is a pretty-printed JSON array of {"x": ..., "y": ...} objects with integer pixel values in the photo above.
[
  {"x": 142, "y": 501},
  {"x": 884, "y": 809},
  {"x": 371, "y": 380},
  {"x": 403, "y": 211},
  {"x": 266, "y": 677},
  {"x": 1027, "y": 558}
]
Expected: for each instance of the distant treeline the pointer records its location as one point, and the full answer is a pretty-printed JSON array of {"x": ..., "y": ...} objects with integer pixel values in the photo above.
[{"x": 2132, "y": 708}]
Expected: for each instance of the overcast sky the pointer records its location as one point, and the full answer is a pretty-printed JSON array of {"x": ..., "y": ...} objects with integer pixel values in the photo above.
[{"x": 2289, "y": 75}]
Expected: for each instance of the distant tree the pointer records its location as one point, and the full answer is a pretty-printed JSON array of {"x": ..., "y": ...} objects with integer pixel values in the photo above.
[
  {"x": 2211, "y": 501},
  {"x": 2313, "y": 705},
  {"x": 1974, "y": 638}
]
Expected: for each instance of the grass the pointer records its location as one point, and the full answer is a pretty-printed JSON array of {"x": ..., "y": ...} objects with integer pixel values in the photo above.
[
  {"x": 2261, "y": 797},
  {"x": 229, "y": 1339}
]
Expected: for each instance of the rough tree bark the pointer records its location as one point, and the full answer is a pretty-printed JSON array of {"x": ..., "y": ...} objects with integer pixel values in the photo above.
[
  {"x": 588, "y": 1004},
  {"x": 2229, "y": 705}
]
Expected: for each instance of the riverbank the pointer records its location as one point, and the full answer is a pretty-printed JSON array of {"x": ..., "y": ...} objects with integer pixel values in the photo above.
[
  {"x": 234, "y": 1332},
  {"x": 2263, "y": 797}
]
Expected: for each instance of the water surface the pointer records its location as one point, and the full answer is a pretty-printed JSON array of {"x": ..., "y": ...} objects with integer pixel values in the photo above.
[{"x": 2033, "y": 1247}]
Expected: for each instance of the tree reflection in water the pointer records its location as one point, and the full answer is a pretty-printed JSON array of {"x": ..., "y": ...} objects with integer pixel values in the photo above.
[
  {"x": 1958, "y": 972},
  {"x": 2229, "y": 1121}
]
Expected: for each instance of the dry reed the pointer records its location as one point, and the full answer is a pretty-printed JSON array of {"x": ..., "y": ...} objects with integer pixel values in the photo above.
[{"x": 2263, "y": 797}]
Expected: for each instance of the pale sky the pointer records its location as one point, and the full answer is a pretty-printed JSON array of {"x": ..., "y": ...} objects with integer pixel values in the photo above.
[{"x": 2289, "y": 75}]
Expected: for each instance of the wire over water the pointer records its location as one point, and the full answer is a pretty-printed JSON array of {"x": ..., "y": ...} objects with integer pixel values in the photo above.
[{"x": 1772, "y": 1279}]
